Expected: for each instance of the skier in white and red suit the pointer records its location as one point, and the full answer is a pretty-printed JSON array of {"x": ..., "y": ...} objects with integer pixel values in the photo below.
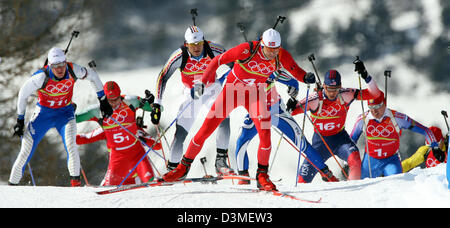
[
  {"x": 191, "y": 59},
  {"x": 246, "y": 86},
  {"x": 125, "y": 149}
]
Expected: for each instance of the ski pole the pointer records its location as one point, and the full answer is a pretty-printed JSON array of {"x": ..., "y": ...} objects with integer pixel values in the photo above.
[
  {"x": 444, "y": 113},
  {"x": 387, "y": 73},
  {"x": 303, "y": 134},
  {"x": 203, "y": 161},
  {"x": 276, "y": 152},
  {"x": 304, "y": 156},
  {"x": 93, "y": 65},
  {"x": 159, "y": 138},
  {"x": 319, "y": 88},
  {"x": 31, "y": 174},
  {"x": 194, "y": 14},
  {"x": 241, "y": 27},
  {"x": 311, "y": 59},
  {"x": 324, "y": 142},
  {"x": 84, "y": 176},
  {"x": 74, "y": 34},
  {"x": 364, "y": 122},
  {"x": 279, "y": 19},
  {"x": 136, "y": 137}
]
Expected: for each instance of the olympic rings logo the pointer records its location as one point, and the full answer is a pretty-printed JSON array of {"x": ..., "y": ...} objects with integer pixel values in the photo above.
[
  {"x": 383, "y": 131},
  {"x": 432, "y": 162},
  {"x": 261, "y": 67},
  {"x": 199, "y": 66},
  {"x": 331, "y": 110},
  {"x": 120, "y": 117},
  {"x": 59, "y": 87}
]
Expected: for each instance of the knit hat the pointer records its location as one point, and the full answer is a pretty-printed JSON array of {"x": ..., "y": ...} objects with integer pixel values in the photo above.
[
  {"x": 332, "y": 78},
  {"x": 111, "y": 89},
  {"x": 271, "y": 38},
  {"x": 193, "y": 34},
  {"x": 56, "y": 55}
]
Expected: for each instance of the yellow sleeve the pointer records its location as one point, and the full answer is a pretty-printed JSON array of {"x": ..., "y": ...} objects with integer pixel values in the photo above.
[{"x": 416, "y": 159}]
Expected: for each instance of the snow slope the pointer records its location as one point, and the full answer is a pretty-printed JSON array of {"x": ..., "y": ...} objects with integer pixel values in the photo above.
[{"x": 419, "y": 188}]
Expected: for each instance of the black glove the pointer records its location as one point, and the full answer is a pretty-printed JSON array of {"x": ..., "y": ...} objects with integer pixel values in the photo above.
[
  {"x": 197, "y": 90},
  {"x": 309, "y": 78},
  {"x": 105, "y": 107},
  {"x": 360, "y": 68},
  {"x": 149, "y": 97},
  {"x": 291, "y": 104},
  {"x": 439, "y": 154},
  {"x": 145, "y": 103},
  {"x": 18, "y": 128},
  {"x": 156, "y": 113},
  {"x": 292, "y": 91}
]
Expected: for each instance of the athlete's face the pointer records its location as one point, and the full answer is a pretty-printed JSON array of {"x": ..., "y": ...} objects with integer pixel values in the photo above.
[
  {"x": 114, "y": 102},
  {"x": 271, "y": 53},
  {"x": 331, "y": 91},
  {"x": 196, "y": 49},
  {"x": 377, "y": 110},
  {"x": 59, "y": 69}
]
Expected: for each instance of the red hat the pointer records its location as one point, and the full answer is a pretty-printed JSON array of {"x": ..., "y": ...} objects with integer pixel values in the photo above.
[
  {"x": 379, "y": 100},
  {"x": 112, "y": 90},
  {"x": 437, "y": 133}
]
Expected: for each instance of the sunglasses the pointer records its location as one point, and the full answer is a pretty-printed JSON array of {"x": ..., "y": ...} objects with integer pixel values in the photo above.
[
  {"x": 375, "y": 106},
  {"x": 196, "y": 44},
  {"x": 332, "y": 89},
  {"x": 58, "y": 65}
]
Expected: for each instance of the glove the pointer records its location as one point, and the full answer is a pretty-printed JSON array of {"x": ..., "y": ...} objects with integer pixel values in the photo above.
[
  {"x": 156, "y": 113},
  {"x": 105, "y": 107},
  {"x": 145, "y": 103},
  {"x": 438, "y": 154},
  {"x": 309, "y": 78},
  {"x": 18, "y": 128},
  {"x": 291, "y": 104},
  {"x": 197, "y": 90},
  {"x": 360, "y": 68},
  {"x": 292, "y": 91}
]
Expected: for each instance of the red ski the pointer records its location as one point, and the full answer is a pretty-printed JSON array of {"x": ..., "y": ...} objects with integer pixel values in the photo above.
[
  {"x": 161, "y": 182},
  {"x": 281, "y": 194}
]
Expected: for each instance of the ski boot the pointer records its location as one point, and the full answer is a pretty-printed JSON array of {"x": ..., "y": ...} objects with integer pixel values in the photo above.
[
  {"x": 171, "y": 165},
  {"x": 180, "y": 172},
  {"x": 222, "y": 167},
  {"x": 244, "y": 173},
  {"x": 262, "y": 179},
  {"x": 75, "y": 181},
  {"x": 327, "y": 175}
]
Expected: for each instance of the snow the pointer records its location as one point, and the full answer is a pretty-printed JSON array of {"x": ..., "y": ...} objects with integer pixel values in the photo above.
[{"x": 418, "y": 188}]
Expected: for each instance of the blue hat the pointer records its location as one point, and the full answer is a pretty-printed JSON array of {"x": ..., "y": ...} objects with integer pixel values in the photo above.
[{"x": 332, "y": 78}]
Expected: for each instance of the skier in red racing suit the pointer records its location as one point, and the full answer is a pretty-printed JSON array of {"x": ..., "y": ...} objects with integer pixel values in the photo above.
[
  {"x": 245, "y": 86},
  {"x": 125, "y": 149}
]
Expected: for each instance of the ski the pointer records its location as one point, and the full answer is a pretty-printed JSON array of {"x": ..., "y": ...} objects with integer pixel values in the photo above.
[
  {"x": 160, "y": 182},
  {"x": 280, "y": 194}
]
